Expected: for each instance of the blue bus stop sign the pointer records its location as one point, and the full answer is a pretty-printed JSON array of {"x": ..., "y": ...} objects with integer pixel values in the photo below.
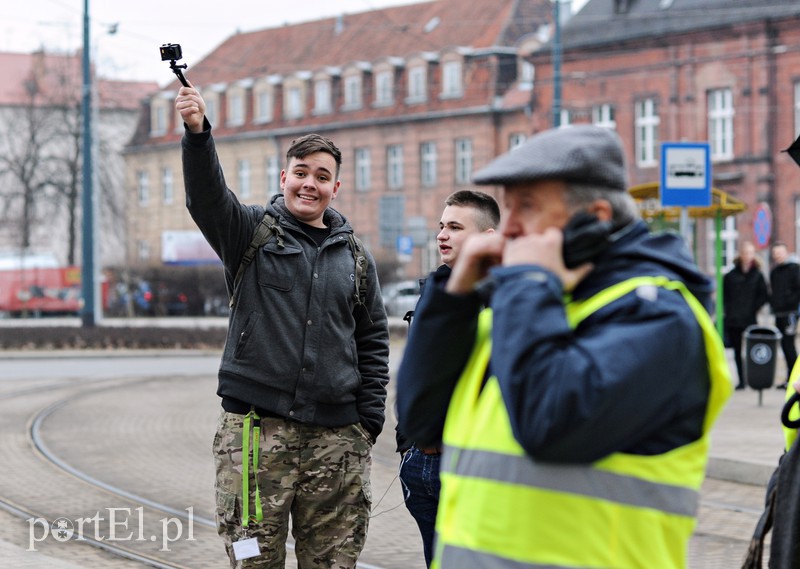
[{"x": 685, "y": 174}]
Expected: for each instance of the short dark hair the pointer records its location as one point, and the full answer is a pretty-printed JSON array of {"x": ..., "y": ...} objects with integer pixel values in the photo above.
[
  {"x": 311, "y": 143},
  {"x": 486, "y": 205}
]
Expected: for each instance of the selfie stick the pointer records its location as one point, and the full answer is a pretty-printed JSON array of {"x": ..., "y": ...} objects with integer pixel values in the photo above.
[{"x": 176, "y": 69}]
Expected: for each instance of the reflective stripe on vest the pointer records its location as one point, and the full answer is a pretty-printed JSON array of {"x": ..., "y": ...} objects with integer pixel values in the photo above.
[{"x": 501, "y": 509}]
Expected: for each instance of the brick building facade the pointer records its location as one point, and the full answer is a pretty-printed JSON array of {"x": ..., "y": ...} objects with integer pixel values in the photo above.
[
  {"x": 420, "y": 96},
  {"x": 692, "y": 71},
  {"x": 415, "y": 96}
]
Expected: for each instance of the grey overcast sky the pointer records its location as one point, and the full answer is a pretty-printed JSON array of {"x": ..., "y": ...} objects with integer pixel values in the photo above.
[{"x": 143, "y": 25}]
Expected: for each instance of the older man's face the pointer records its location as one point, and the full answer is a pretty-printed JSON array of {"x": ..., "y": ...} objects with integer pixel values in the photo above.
[{"x": 533, "y": 207}]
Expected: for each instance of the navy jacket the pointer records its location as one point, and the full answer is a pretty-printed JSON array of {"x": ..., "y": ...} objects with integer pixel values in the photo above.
[
  {"x": 744, "y": 293},
  {"x": 632, "y": 377}
]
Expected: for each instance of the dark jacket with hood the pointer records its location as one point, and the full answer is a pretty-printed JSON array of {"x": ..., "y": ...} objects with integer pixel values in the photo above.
[
  {"x": 743, "y": 294},
  {"x": 632, "y": 377},
  {"x": 784, "y": 282},
  {"x": 297, "y": 345}
]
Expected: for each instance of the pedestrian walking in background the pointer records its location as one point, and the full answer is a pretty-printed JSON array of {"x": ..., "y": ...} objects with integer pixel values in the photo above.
[
  {"x": 466, "y": 213},
  {"x": 575, "y": 412},
  {"x": 744, "y": 292},
  {"x": 305, "y": 366},
  {"x": 784, "y": 283}
]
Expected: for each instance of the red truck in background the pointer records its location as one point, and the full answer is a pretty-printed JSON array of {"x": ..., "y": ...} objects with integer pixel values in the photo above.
[{"x": 36, "y": 286}]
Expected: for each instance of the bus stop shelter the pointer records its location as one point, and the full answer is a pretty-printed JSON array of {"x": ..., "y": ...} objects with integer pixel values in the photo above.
[{"x": 648, "y": 197}]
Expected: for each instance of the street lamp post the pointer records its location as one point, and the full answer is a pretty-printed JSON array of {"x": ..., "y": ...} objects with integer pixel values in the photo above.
[
  {"x": 88, "y": 280},
  {"x": 557, "y": 63}
]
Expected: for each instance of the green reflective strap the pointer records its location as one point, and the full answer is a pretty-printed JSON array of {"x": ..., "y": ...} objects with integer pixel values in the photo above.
[
  {"x": 251, "y": 417},
  {"x": 256, "y": 454}
]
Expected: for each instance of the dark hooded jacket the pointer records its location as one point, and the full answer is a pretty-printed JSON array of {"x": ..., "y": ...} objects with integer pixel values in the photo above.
[
  {"x": 297, "y": 346},
  {"x": 632, "y": 377},
  {"x": 743, "y": 294}
]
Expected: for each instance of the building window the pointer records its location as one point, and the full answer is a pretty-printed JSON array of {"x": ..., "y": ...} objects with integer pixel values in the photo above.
[
  {"x": 236, "y": 109},
  {"x": 158, "y": 124},
  {"x": 427, "y": 160},
  {"x": 515, "y": 140},
  {"x": 322, "y": 97},
  {"x": 143, "y": 250},
  {"x": 417, "y": 84},
  {"x": 263, "y": 104},
  {"x": 363, "y": 169},
  {"x": 797, "y": 111},
  {"x": 143, "y": 188},
  {"x": 352, "y": 92},
  {"x": 273, "y": 176},
  {"x": 167, "y": 186},
  {"x": 391, "y": 213},
  {"x": 796, "y": 225},
  {"x": 564, "y": 118},
  {"x": 527, "y": 73},
  {"x": 211, "y": 109},
  {"x": 451, "y": 79},
  {"x": 394, "y": 166},
  {"x": 603, "y": 115},
  {"x": 646, "y": 139},
  {"x": 294, "y": 103},
  {"x": 728, "y": 238},
  {"x": 720, "y": 123},
  {"x": 463, "y": 157},
  {"x": 243, "y": 172},
  {"x": 384, "y": 88}
]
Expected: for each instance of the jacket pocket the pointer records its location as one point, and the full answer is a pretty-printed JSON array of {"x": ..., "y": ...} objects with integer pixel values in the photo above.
[
  {"x": 247, "y": 332},
  {"x": 278, "y": 266}
]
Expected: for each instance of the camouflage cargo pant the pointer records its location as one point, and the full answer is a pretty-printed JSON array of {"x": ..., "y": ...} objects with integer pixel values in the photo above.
[{"x": 317, "y": 475}]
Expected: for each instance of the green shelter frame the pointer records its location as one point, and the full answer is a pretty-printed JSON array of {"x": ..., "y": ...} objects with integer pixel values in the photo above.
[{"x": 648, "y": 198}]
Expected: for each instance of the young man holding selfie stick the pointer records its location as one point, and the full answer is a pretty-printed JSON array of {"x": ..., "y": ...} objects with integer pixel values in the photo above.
[{"x": 304, "y": 371}]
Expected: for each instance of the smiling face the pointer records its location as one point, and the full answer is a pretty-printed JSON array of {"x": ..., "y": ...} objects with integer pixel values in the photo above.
[{"x": 308, "y": 185}]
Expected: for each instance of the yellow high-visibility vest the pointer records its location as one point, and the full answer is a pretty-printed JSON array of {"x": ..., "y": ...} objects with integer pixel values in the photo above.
[
  {"x": 499, "y": 508},
  {"x": 789, "y": 434}
]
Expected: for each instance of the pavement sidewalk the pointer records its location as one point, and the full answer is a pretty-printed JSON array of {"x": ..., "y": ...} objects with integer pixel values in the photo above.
[{"x": 747, "y": 439}]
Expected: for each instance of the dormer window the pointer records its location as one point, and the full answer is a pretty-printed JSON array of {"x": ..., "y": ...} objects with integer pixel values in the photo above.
[
  {"x": 352, "y": 92},
  {"x": 159, "y": 111},
  {"x": 452, "y": 83},
  {"x": 322, "y": 97},
  {"x": 384, "y": 88},
  {"x": 417, "y": 84},
  {"x": 263, "y": 101},
  {"x": 294, "y": 103},
  {"x": 236, "y": 107},
  {"x": 294, "y": 98}
]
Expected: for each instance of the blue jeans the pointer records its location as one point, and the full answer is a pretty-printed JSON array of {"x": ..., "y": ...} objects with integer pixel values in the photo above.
[{"x": 419, "y": 474}]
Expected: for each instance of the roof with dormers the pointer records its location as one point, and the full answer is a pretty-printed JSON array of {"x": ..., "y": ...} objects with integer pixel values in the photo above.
[
  {"x": 56, "y": 79},
  {"x": 611, "y": 21},
  {"x": 369, "y": 36}
]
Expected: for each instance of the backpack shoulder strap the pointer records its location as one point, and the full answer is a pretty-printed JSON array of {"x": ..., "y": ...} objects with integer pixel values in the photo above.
[
  {"x": 264, "y": 231},
  {"x": 361, "y": 264}
]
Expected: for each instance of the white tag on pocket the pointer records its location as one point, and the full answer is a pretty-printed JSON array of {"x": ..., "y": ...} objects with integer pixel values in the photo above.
[{"x": 246, "y": 548}]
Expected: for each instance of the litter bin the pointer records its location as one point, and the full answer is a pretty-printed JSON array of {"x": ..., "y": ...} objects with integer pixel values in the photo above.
[{"x": 761, "y": 348}]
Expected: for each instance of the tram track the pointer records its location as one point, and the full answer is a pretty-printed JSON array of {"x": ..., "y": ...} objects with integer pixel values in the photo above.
[
  {"x": 53, "y": 398},
  {"x": 42, "y": 518}
]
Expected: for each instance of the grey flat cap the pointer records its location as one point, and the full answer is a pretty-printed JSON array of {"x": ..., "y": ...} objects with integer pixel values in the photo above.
[{"x": 582, "y": 153}]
